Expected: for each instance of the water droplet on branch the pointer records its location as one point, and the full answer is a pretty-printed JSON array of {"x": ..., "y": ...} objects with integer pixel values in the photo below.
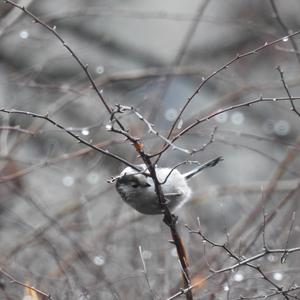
[{"x": 285, "y": 39}]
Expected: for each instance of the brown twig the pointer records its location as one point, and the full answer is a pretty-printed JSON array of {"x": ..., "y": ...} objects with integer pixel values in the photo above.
[
  {"x": 169, "y": 219},
  {"x": 14, "y": 280},
  {"x": 17, "y": 128}
]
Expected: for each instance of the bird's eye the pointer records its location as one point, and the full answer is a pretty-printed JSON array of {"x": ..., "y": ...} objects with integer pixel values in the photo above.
[{"x": 134, "y": 185}]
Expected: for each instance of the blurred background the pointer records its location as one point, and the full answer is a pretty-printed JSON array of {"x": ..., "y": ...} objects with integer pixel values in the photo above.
[{"x": 64, "y": 228}]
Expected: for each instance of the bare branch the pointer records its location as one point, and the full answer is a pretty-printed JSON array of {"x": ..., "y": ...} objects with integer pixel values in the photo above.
[
  {"x": 154, "y": 295},
  {"x": 123, "y": 108},
  {"x": 14, "y": 280},
  {"x": 220, "y": 111},
  {"x": 69, "y": 132},
  {"x": 285, "y": 255},
  {"x": 241, "y": 262},
  {"x": 17, "y": 128},
  {"x": 287, "y": 91},
  {"x": 225, "y": 66},
  {"x": 56, "y": 160},
  {"x": 285, "y": 29},
  {"x": 83, "y": 66},
  {"x": 264, "y": 230},
  {"x": 210, "y": 141}
]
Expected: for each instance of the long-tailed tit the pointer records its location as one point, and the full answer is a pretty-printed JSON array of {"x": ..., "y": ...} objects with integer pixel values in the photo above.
[{"x": 138, "y": 190}]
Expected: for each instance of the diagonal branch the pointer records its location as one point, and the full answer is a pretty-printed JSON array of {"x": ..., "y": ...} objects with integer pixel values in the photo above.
[
  {"x": 83, "y": 66},
  {"x": 287, "y": 91},
  {"x": 68, "y": 131},
  {"x": 220, "y": 111},
  {"x": 224, "y": 67},
  {"x": 14, "y": 280}
]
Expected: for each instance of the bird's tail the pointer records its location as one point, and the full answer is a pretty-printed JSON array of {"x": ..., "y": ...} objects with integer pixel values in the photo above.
[{"x": 208, "y": 164}]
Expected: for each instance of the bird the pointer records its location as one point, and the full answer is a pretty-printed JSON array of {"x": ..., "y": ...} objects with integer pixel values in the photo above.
[{"x": 137, "y": 188}]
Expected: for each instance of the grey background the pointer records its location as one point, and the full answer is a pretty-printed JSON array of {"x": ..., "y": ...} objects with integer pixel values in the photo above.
[{"x": 64, "y": 229}]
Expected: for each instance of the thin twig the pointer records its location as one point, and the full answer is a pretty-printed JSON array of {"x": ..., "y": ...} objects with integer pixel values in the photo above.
[
  {"x": 241, "y": 262},
  {"x": 123, "y": 108},
  {"x": 224, "y": 67},
  {"x": 264, "y": 230},
  {"x": 210, "y": 141},
  {"x": 233, "y": 255},
  {"x": 287, "y": 91},
  {"x": 183, "y": 49},
  {"x": 17, "y": 128},
  {"x": 221, "y": 111},
  {"x": 186, "y": 162},
  {"x": 285, "y": 255},
  {"x": 285, "y": 29},
  {"x": 69, "y": 132},
  {"x": 67, "y": 156},
  {"x": 70, "y": 50},
  {"x": 14, "y": 280},
  {"x": 154, "y": 295}
]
